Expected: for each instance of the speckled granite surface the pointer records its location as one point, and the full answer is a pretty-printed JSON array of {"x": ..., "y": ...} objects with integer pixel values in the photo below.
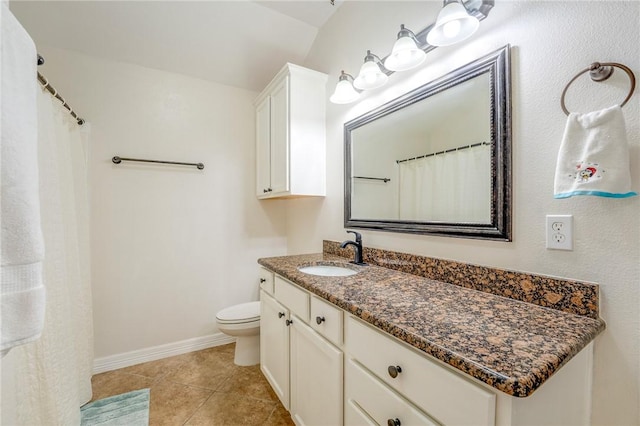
[
  {"x": 565, "y": 295},
  {"x": 508, "y": 344}
]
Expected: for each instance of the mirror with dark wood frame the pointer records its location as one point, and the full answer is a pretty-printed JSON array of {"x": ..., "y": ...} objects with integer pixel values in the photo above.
[{"x": 436, "y": 160}]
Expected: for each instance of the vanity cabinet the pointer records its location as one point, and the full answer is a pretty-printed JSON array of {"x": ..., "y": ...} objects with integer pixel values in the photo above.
[
  {"x": 386, "y": 378},
  {"x": 274, "y": 345},
  {"x": 303, "y": 367},
  {"x": 316, "y": 378},
  {"x": 369, "y": 401},
  {"x": 290, "y": 134},
  {"x": 330, "y": 367}
]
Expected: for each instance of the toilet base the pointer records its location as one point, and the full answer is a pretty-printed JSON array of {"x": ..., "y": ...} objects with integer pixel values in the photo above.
[{"x": 247, "y": 350}]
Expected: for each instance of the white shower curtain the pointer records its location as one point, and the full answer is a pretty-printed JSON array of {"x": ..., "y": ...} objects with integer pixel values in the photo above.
[
  {"x": 53, "y": 374},
  {"x": 450, "y": 187}
]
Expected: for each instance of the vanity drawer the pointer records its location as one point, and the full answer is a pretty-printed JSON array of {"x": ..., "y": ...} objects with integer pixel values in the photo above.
[
  {"x": 369, "y": 397},
  {"x": 444, "y": 394},
  {"x": 326, "y": 319},
  {"x": 266, "y": 280},
  {"x": 294, "y": 298}
]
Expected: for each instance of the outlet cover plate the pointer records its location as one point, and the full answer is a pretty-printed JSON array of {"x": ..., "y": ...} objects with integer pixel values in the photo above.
[{"x": 559, "y": 232}]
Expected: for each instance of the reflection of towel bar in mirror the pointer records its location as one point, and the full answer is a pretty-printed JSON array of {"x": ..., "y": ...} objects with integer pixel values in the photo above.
[
  {"x": 385, "y": 180},
  {"x": 460, "y": 148},
  {"x": 118, "y": 160},
  {"x": 600, "y": 71}
]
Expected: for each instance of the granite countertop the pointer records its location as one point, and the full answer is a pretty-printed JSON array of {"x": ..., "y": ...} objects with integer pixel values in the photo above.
[{"x": 511, "y": 345}]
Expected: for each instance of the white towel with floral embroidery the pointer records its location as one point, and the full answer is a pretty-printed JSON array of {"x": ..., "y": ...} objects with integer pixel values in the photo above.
[{"x": 594, "y": 156}]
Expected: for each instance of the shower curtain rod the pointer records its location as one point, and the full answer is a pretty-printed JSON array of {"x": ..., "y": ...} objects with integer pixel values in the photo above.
[
  {"x": 45, "y": 84},
  {"x": 443, "y": 152}
]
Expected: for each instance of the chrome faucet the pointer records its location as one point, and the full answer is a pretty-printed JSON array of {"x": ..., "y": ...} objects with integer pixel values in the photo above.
[{"x": 357, "y": 245}]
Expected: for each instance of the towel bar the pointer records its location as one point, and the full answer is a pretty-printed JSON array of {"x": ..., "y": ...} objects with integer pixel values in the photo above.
[
  {"x": 385, "y": 180},
  {"x": 600, "y": 71},
  {"x": 118, "y": 160}
]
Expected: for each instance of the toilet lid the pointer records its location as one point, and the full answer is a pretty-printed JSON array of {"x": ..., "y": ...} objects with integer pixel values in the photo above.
[{"x": 243, "y": 312}]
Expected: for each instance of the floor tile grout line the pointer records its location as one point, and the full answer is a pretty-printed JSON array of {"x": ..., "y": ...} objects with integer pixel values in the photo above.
[
  {"x": 197, "y": 408},
  {"x": 275, "y": 408}
]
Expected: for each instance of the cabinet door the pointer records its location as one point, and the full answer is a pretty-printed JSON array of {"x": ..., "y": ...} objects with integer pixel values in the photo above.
[
  {"x": 316, "y": 378},
  {"x": 280, "y": 137},
  {"x": 263, "y": 147},
  {"x": 274, "y": 346}
]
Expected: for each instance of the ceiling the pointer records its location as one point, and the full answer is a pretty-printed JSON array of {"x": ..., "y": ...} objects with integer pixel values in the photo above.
[{"x": 239, "y": 43}]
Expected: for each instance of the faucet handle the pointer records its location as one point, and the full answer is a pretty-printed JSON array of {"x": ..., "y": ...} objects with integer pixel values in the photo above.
[{"x": 357, "y": 235}]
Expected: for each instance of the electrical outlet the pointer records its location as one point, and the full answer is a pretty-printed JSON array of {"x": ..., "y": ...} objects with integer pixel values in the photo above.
[{"x": 559, "y": 231}]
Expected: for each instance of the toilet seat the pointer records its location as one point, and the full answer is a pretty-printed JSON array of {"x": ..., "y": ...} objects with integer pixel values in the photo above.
[{"x": 239, "y": 314}]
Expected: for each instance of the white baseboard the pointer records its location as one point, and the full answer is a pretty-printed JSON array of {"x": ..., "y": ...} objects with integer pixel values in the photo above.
[{"x": 113, "y": 362}]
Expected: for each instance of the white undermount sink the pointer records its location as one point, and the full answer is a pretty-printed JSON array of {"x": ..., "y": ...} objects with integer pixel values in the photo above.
[{"x": 327, "y": 270}]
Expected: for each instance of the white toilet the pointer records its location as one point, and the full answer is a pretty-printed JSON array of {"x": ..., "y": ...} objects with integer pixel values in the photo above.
[{"x": 242, "y": 322}]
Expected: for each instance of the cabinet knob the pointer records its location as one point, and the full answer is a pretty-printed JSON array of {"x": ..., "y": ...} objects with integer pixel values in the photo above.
[
  {"x": 280, "y": 314},
  {"x": 269, "y": 189},
  {"x": 288, "y": 322},
  {"x": 264, "y": 191},
  {"x": 319, "y": 320},
  {"x": 393, "y": 422},
  {"x": 263, "y": 280},
  {"x": 394, "y": 370}
]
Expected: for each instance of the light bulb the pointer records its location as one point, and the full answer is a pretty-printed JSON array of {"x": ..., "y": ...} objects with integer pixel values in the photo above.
[
  {"x": 344, "y": 93},
  {"x": 451, "y": 29},
  {"x": 405, "y": 53},
  {"x": 453, "y": 25},
  {"x": 371, "y": 75}
]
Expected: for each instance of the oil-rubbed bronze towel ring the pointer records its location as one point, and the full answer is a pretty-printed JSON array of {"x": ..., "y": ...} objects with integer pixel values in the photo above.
[{"x": 600, "y": 71}]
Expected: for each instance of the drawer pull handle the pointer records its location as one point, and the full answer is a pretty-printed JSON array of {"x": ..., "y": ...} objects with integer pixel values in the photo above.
[
  {"x": 393, "y": 422},
  {"x": 319, "y": 320},
  {"x": 263, "y": 280},
  {"x": 394, "y": 370},
  {"x": 288, "y": 322},
  {"x": 280, "y": 314}
]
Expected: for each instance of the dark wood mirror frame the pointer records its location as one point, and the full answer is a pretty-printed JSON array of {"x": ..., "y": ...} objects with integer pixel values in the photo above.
[{"x": 498, "y": 65}]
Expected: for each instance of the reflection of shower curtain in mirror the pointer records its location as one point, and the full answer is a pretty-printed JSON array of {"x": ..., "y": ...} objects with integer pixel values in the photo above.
[{"x": 450, "y": 187}]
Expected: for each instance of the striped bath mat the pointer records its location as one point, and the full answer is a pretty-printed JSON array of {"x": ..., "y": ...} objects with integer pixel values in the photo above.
[{"x": 127, "y": 409}]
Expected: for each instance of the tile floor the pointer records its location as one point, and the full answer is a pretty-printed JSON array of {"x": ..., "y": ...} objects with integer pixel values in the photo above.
[{"x": 199, "y": 388}]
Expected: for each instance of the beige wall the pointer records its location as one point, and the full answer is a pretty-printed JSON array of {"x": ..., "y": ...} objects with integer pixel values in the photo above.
[
  {"x": 170, "y": 245},
  {"x": 551, "y": 42}
]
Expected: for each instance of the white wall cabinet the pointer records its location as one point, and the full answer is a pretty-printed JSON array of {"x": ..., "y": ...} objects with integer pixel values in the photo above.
[
  {"x": 331, "y": 368},
  {"x": 290, "y": 135}
]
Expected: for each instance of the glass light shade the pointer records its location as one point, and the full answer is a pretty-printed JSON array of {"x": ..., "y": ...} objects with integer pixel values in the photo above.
[
  {"x": 370, "y": 76},
  {"x": 344, "y": 93},
  {"x": 404, "y": 55},
  {"x": 454, "y": 24}
]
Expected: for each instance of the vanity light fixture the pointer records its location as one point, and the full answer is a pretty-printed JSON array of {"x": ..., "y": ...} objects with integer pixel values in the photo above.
[
  {"x": 344, "y": 93},
  {"x": 405, "y": 53},
  {"x": 371, "y": 74},
  {"x": 453, "y": 25}
]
